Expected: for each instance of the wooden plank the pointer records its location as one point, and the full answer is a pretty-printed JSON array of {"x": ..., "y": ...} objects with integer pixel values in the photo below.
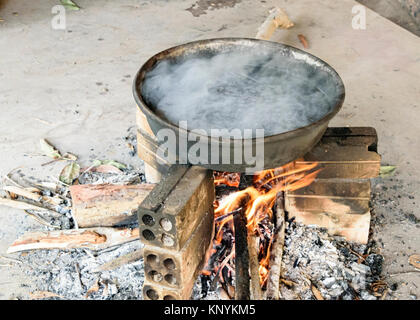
[
  {"x": 352, "y": 136},
  {"x": 347, "y": 153},
  {"x": 106, "y": 205},
  {"x": 331, "y": 197}
]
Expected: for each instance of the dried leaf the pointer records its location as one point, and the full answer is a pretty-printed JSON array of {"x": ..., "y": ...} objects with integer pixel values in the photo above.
[
  {"x": 49, "y": 150},
  {"x": 68, "y": 4},
  {"x": 106, "y": 168},
  {"x": 70, "y": 172},
  {"x": 70, "y": 156},
  {"x": 93, "y": 289},
  {"x": 387, "y": 171},
  {"x": 109, "y": 162},
  {"x": 415, "y": 260}
]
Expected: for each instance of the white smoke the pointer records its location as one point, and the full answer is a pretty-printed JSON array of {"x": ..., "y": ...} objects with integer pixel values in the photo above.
[{"x": 245, "y": 90}]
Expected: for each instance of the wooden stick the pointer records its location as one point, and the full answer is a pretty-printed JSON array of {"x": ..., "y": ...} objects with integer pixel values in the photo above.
[
  {"x": 120, "y": 261},
  {"x": 273, "y": 281},
  {"x": 276, "y": 19},
  {"x": 24, "y": 206},
  {"x": 41, "y": 220},
  {"x": 91, "y": 238},
  {"x": 22, "y": 192},
  {"x": 241, "y": 257},
  {"x": 256, "y": 292}
]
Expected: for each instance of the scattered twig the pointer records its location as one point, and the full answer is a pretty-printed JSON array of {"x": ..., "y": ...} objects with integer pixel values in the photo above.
[
  {"x": 24, "y": 205},
  {"x": 361, "y": 258},
  {"x": 316, "y": 292},
  {"x": 10, "y": 259},
  {"x": 76, "y": 266},
  {"x": 40, "y": 220},
  {"x": 403, "y": 272},
  {"x": 43, "y": 295},
  {"x": 22, "y": 192},
  {"x": 91, "y": 238},
  {"x": 304, "y": 41},
  {"x": 120, "y": 261}
]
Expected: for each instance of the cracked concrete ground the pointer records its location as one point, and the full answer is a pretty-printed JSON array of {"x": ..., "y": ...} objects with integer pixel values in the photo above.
[{"x": 73, "y": 87}]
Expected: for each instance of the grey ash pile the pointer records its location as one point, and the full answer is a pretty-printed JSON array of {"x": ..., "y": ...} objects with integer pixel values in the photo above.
[
  {"x": 72, "y": 274},
  {"x": 318, "y": 266},
  {"x": 316, "y": 263}
]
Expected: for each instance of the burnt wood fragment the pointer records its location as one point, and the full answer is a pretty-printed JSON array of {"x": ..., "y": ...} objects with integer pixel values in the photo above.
[{"x": 242, "y": 290}]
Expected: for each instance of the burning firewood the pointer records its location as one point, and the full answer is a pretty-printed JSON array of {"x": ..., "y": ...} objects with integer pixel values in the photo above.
[
  {"x": 262, "y": 243},
  {"x": 241, "y": 257},
  {"x": 92, "y": 238},
  {"x": 227, "y": 178},
  {"x": 254, "y": 267},
  {"x": 273, "y": 282}
]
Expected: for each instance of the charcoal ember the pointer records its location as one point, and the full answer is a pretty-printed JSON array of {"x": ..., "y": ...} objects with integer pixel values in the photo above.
[
  {"x": 227, "y": 179},
  {"x": 245, "y": 181},
  {"x": 204, "y": 279},
  {"x": 223, "y": 190},
  {"x": 375, "y": 262}
]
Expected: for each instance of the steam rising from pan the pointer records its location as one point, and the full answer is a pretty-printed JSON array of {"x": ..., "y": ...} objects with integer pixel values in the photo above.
[{"x": 246, "y": 89}]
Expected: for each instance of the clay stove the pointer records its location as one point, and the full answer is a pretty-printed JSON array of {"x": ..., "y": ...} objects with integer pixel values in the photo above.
[{"x": 177, "y": 221}]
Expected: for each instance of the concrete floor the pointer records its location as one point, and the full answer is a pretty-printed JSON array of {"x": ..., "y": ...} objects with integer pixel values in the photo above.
[
  {"x": 73, "y": 87},
  {"x": 397, "y": 11}
]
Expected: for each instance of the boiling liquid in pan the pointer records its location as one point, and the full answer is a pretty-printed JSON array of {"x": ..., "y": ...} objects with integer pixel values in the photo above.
[{"x": 241, "y": 90}]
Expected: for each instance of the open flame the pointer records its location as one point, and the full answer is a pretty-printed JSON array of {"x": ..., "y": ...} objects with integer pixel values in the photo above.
[{"x": 257, "y": 201}]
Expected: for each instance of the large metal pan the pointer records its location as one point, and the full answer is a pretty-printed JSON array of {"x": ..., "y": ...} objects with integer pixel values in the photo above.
[{"x": 279, "y": 149}]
